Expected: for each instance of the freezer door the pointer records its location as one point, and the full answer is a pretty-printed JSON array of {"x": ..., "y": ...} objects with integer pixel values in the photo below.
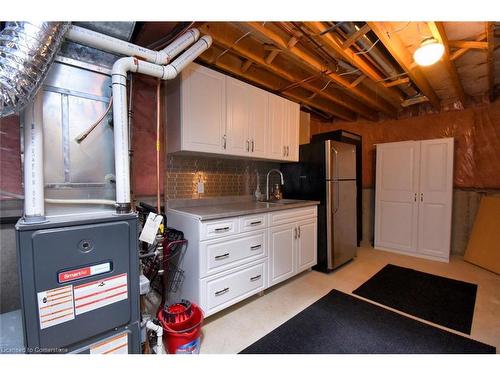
[
  {"x": 340, "y": 160},
  {"x": 341, "y": 222}
]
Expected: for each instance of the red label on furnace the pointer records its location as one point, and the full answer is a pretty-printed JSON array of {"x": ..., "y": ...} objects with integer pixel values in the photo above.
[{"x": 74, "y": 274}]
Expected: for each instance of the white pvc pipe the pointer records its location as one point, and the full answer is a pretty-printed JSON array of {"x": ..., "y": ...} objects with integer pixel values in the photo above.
[
  {"x": 115, "y": 45},
  {"x": 106, "y": 202},
  {"x": 120, "y": 114},
  {"x": 34, "y": 208},
  {"x": 159, "y": 335}
]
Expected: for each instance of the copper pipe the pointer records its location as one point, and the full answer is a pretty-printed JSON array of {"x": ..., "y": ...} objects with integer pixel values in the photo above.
[{"x": 158, "y": 202}]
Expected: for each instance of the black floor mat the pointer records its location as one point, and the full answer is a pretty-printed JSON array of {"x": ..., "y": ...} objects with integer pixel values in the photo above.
[
  {"x": 342, "y": 324},
  {"x": 440, "y": 300}
]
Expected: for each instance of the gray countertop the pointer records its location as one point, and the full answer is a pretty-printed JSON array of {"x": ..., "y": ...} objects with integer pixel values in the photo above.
[{"x": 221, "y": 210}]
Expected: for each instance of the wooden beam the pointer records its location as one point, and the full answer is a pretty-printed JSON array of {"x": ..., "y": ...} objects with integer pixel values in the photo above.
[
  {"x": 413, "y": 101},
  {"x": 397, "y": 82},
  {"x": 354, "y": 37},
  {"x": 246, "y": 65},
  {"x": 221, "y": 38},
  {"x": 490, "y": 40},
  {"x": 234, "y": 70},
  {"x": 405, "y": 59},
  {"x": 358, "y": 80},
  {"x": 272, "y": 55},
  {"x": 439, "y": 33},
  {"x": 468, "y": 44},
  {"x": 331, "y": 40},
  {"x": 311, "y": 62},
  {"x": 460, "y": 52}
]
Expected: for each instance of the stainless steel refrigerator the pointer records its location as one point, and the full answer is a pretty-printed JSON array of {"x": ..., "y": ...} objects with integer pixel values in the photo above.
[{"x": 326, "y": 172}]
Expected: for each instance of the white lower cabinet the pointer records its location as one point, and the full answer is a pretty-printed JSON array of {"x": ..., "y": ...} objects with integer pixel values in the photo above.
[
  {"x": 228, "y": 260},
  {"x": 292, "y": 249}
]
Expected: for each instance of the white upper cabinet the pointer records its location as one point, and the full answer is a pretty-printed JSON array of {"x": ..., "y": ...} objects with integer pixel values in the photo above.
[
  {"x": 196, "y": 111},
  {"x": 209, "y": 112}
]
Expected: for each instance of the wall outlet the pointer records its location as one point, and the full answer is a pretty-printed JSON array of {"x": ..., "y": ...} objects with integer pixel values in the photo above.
[{"x": 200, "y": 187}]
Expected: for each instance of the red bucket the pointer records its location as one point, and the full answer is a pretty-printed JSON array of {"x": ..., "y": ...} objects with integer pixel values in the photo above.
[{"x": 181, "y": 324}]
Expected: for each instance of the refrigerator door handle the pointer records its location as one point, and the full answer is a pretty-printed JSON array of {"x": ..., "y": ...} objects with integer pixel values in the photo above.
[
  {"x": 336, "y": 202},
  {"x": 336, "y": 162}
]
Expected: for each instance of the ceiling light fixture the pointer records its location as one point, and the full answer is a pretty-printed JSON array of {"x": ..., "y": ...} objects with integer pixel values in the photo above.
[{"x": 429, "y": 52}]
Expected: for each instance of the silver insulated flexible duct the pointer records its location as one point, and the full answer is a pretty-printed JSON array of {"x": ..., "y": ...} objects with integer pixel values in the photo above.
[{"x": 27, "y": 50}]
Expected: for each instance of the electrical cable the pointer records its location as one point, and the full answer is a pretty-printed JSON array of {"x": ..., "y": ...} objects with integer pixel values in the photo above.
[{"x": 86, "y": 133}]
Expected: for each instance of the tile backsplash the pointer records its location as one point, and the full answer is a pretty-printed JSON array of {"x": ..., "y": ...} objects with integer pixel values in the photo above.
[{"x": 221, "y": 177}]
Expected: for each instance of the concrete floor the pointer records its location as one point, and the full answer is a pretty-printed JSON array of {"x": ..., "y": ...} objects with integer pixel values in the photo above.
[{"x": 233, "y": 329}]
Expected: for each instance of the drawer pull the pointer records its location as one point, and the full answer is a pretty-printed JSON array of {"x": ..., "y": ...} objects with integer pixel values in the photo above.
[
  {"x": 255, "y": 247},
  {"x": 220, "y": 292},
  {"x": 256, "y": 222},
  {"x": 218, "y": 257},
  {"x": 218, "y": 230},
  {"x": 255, "y": 278}
]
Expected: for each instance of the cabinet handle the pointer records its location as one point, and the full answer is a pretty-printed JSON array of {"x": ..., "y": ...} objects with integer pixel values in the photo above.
[
  {"x": 253, "y": 143},
  {"x": 255, "y": 247},
  {"x": 287, "y": 151},
  {"x": 256, "y": 222},
  {"x": 295, "y": 233},
  {"x": 225, "y": 141},
  {"x": 415, "y": 197},
  {"x": 284, "y": 150},
  {"x": 219, "y": 257},
  {"x": 255, "y": 278},
  {"x": 218, "y": 230},
  {"x": 248, "y": 145},
  {"x": 421, "y": 197},
  {"x": 299, "y": 232},
  {"x": 220, "y": 292}
]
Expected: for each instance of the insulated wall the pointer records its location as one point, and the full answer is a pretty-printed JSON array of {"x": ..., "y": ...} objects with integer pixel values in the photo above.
[{"x": 477, "y": 141}]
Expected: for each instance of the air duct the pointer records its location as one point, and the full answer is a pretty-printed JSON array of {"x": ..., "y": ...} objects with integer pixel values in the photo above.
[{"x": 27, "y": 50}]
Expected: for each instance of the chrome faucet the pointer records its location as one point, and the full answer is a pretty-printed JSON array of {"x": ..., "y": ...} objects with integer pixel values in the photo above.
[{"x": 267, "y": 181}]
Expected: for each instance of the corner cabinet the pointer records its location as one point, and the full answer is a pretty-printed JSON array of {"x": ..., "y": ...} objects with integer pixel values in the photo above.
[
  {"x": 413, "y": 197},
  {"x": 209, "y": 112},
  {"x": 230, "y": 259}
]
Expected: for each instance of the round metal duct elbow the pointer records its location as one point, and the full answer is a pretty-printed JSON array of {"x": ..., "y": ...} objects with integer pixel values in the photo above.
[{"x": 27, "y": 49}]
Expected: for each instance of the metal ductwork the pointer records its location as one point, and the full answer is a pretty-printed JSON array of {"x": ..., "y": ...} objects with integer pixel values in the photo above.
[
  {"x": 366, "y": 44},
  {"x": 27, "y": 49}
]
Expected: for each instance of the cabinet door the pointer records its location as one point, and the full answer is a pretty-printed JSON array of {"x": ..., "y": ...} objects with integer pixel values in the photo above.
[
  {"x": 306, "y": 244},
  {"x": 276, "y": 134},
  {"x": 293, "y": 120},
  {"x": 281, "y": 253},
  {"x": 435, "y": 197},
  {"x": 258, "y": 122},
  {"x": 396, "y": 206},
  {"x": 203, "y": 109},
  {"x": 238, "y": 138}
]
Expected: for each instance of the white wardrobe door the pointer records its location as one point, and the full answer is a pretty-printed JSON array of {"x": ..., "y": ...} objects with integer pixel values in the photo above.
[
  {"x": 396, "y": 207},
  {"x": 435, "y": 196}
]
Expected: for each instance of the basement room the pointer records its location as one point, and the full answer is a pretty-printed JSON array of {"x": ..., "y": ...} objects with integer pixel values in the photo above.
[{"x": 270, "y": 185}]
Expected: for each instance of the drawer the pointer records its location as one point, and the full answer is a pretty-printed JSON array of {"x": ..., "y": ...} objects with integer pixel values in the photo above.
[
  {"x": 218, "y": 228},
  {"x": 292, "y": 215},
  {"x": 220, "y": 255},
  {"x": 223, "y": 291},
  {"x": 253, "y": 222}
]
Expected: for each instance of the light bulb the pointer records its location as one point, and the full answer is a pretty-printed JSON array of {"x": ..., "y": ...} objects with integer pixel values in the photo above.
[{"x": 429, "y": 52}]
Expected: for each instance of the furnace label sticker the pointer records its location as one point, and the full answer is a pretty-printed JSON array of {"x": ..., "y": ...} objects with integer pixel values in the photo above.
[
  {"x": 80, "y": 273},
  {"x": 56, "y": 306},
  {"x": 100, "y": 293},
  {"x": 114, "y": 345}
]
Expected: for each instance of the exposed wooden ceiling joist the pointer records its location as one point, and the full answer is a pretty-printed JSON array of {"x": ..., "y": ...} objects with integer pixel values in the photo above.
[
  {"x": 404, "y": 59},
  {"x": 490, "y": 40},
  {"x": 439, "y": 33},
  {"x": 401, "y": 81},
  {"x": 335, "y": 43},
  {"x": 233, "y": 69},
  {"x": 462, "y": 51},
  {"x": 221, "y": 38},
  {"x": 354, "y": 37},
  {"x": 471, "y": 44},
  {"x": 306, "y": 59}
]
